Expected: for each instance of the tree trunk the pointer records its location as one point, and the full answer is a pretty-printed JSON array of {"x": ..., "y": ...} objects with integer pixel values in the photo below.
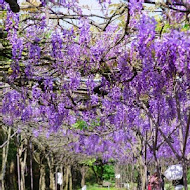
[
  {"x": 66, "y": 176},
  {"x": 143, "y": 174},
  {"x": 70, "y": 179},
  {"x": 31, "y": 171},
  {"x": 22, "y": 157},
  {"x": 117, "y": 180},
  {"x": 181, "y": 138},
  {"x": 42, "y": 182},
  {"x": 83, "y": 171},
  {"x": 4, "y": 160},
  {"x": 51, "y": 172},
  {"x": 155, "y": 142},
  {"x": 61, "y": 170},
  {"x": 13, "y": 180},
  {"x": 52, "y": 179},
  {"x": 22, "y": 172},
  {"x": 39, "y": 159},
  {"x": 18, "y": 164},
  {"x": 185, "y": 175},
  {"x": 83, "y": 180},
  {"x": 183, "y": 162},
  {"x": 56, "y": 178},
  {"x": 143, "y": 170}
]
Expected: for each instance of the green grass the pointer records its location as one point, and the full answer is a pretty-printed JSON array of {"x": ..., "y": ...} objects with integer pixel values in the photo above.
[
  {"x": 97, "y": 187},
  {"x": 102, "y": 188},
  {"x": 170, "y": 187}
]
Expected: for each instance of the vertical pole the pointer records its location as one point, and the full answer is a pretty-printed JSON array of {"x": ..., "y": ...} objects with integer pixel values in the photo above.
[
  {"x": 18, "y": 163},
  {"x": 31, "y": 172},
  {"x": 145, "y": 169},
  {"x": 56, "y": 178}
]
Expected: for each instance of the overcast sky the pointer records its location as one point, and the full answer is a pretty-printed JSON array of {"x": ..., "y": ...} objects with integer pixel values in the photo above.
[
  {"x": 88, "y": 6},
  {"x": 92, "y": 4}
]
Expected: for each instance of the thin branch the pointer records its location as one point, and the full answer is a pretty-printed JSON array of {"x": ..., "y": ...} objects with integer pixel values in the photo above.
[
  {"x": 186, "y": 135},
  {"x": 162, "y": 133},
  {"x": 1, "y": 146}
]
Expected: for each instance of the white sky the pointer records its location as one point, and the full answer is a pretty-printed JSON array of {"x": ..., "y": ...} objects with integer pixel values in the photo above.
[
  {"x": 93, "y": 4},
  {"x": 84, "y": 2},
  {"x": 88, "y": 7}
]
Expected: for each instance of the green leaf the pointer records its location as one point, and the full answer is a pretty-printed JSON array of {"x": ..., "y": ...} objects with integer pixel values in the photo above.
[
  {"x": 89, "y": 162},
  {"x": 80, "y": 124}
]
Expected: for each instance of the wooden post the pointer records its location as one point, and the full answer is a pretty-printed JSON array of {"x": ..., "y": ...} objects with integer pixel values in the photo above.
[
  {"x": 4, "y": 159},
  {"x": 18, "y": 163},
  {"x": 31, "y": 171}
]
